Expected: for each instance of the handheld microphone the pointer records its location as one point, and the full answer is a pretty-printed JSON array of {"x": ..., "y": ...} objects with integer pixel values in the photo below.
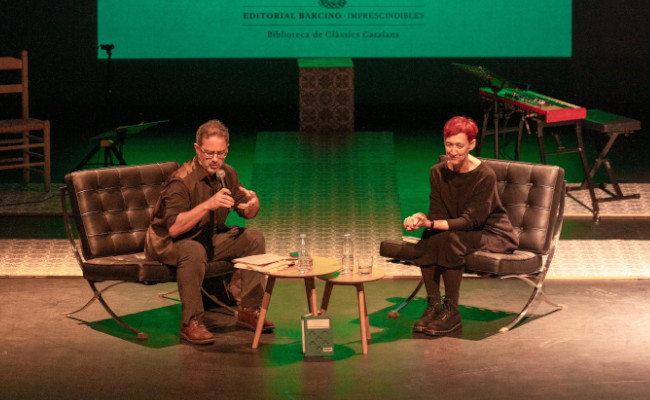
[{"x": 221, "y": 174}]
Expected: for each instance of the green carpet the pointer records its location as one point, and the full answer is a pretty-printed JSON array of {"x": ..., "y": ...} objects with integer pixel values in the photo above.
[{"x": 326, "y": 186}]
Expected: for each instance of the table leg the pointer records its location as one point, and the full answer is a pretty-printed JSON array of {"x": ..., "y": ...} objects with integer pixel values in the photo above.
[
  {"x": 363, "y": 318},
  {"x": 265, "y": 306},
  {"x": 310, "y": 287},
  {"x": 365, "y": 308},
  {"x": 326, "y": 297}
]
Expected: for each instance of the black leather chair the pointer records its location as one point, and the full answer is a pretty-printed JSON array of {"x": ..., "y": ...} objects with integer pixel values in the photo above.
[
  {"x": 112, "y": 210},
  {"x": 533, "y": 195}
]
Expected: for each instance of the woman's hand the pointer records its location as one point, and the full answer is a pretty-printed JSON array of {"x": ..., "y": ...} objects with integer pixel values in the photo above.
[{"x": 416, "y": 221}]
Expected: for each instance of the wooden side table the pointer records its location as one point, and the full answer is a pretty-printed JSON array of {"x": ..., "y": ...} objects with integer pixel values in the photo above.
[
  {"x": 357, "y": 280},
  {"x": 322, "y": 266}
]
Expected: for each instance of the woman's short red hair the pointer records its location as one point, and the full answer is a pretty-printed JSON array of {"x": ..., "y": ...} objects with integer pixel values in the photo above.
[{"x": 460, "y": 124}]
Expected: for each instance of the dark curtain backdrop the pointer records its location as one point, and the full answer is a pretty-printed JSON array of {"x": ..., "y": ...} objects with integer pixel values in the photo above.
[{"x": 608, "y": 70}]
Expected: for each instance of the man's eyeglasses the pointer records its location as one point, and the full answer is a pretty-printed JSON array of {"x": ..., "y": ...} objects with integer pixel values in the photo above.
[{"x": 210, "y": 154}]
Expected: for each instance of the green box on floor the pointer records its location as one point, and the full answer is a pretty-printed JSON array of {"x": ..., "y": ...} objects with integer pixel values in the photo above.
[{"x": 317, "y": 335}]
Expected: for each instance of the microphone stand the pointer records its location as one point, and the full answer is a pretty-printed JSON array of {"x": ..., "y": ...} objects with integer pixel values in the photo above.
[{"x": 109, "y": 52}]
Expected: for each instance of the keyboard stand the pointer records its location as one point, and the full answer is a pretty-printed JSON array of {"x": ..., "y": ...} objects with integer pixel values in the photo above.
[
  {"x": 613, "y": 126},
  {"x": 541, "y": 124},
  {"x": 498, "y": 111}
]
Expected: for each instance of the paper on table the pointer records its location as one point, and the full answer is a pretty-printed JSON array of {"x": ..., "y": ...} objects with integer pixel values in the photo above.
[
  {"x": 264, "y": 262},
  {"x": 259, "y": 259},
  {"x": 267, "y": 268}
]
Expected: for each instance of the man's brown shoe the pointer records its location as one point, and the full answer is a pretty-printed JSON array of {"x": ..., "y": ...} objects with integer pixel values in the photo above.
[
  {"x": 248, "y": 317},
  {"x": 196, "y": 333}
]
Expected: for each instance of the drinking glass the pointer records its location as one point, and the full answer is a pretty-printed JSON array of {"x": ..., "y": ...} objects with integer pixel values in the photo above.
[{"x": 365, "y": 264}]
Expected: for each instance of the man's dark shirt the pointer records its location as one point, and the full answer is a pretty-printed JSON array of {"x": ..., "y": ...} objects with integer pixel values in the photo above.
[{"x": 187, "y": 187}]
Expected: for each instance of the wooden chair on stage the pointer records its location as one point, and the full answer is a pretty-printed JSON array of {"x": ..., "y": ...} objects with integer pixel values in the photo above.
[
  {"x": 21, "y": 145},
  {"x": 533, "y": 195}
]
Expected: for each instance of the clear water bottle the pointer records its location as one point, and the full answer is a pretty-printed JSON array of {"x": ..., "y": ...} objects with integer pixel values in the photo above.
[
  {"x": 347, "y": 257},
  {"x": 304, "y": 261}
]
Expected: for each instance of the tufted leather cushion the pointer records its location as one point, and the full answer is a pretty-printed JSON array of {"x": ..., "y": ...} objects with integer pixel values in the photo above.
[
  {"x": 112, "y": 210},
  {"x": 113, "y": 206},
  {"x": 137, "y": 267},
  {"x": 531, "y": 194},
  {"x": 518, "y": 262}
]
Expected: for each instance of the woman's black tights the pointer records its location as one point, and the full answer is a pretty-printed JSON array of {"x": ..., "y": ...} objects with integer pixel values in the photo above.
[{"x": 451, "y": 277}]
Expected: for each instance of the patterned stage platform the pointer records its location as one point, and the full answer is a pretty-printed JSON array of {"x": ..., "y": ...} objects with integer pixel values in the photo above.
[
  {"x": 326, "y": 187},
  {"x": 617, "y": 247}
]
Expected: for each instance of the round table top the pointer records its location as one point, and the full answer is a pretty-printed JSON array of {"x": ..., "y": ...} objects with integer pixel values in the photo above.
[
  {"x": 355, "y": 277},
  {"x": 322, "y": 266}
]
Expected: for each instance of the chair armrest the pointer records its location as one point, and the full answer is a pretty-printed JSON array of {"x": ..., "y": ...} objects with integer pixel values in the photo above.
[
  {"x": 557, "y": 229},
  {"x": 68, "y": 227}
]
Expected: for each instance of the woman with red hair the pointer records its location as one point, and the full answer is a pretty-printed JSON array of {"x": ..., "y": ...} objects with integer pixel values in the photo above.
[{"x": 465, "y": 215}]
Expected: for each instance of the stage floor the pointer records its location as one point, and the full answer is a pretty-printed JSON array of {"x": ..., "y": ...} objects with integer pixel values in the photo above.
[{"x": 597, "y": 348}]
